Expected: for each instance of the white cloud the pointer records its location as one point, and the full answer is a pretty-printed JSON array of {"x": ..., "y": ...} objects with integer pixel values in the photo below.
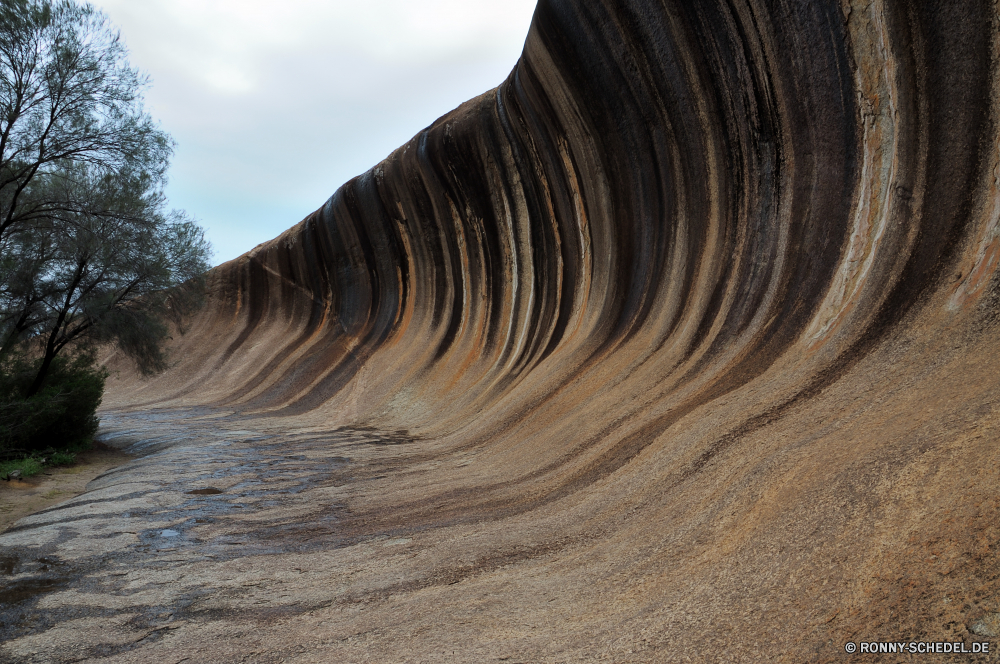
[{"x": 274, "y": 105}]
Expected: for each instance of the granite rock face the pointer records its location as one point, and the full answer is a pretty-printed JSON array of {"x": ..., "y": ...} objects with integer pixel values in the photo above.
[
  {"x": 689, "y": 329},
  {"x": 665, "y": 203}
]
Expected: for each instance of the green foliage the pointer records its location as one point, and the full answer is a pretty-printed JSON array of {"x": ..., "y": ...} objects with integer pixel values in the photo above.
[
  {"x": 89, "y": 252},
  {"x": 28, "y": 466},
  {"x": 60, "y": 458},
  {"x": 36, "y": 463},
  {"x": 63, "y": 413}
]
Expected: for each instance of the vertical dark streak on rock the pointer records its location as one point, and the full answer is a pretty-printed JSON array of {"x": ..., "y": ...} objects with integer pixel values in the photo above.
[{"x": 665, "y": 206}]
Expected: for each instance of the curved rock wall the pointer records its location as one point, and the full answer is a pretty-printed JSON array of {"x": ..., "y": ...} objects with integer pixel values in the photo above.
[
  {"x": 668, "y": 198},
  {"x": 726, "y": 264}
]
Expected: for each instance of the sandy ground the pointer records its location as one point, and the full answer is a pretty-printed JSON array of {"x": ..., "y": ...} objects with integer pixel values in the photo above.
[{"x": 18, "y": 499}]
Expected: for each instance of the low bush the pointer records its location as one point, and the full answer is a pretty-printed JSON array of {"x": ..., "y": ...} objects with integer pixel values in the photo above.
[
  {"x": 62, "y": 414},
  {"x": 33, "y": 464},
  {"x": 28, "y": 467},
  {"x": 60, "y": 459}
]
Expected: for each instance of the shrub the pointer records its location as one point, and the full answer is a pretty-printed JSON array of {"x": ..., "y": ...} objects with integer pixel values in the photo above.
[
  {"x": 63, "y": 413},
  {"x": 28, "y": 467},
  {"x": 61, "y": 459}
]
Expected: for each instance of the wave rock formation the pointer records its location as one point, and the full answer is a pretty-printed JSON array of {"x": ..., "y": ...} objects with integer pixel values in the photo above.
[{"x": 693, "y": 317}]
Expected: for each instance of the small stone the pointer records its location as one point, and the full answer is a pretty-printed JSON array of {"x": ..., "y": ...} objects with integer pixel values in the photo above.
[
  {"x": 988, "y": 625},
  {"x": 169, "y": 533},
  {"x": 397, "y": 541}
]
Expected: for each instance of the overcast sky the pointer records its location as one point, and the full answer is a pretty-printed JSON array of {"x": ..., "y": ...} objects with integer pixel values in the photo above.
[{"x": 275, "y": 105}]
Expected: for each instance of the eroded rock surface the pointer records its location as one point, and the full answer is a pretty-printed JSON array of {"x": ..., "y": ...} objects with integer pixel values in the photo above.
[{"x": 681, "y": 343}]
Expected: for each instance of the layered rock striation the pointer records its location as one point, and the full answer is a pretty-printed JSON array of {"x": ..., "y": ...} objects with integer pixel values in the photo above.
[
  {"x": 699, "y": 304},
  {"x": 663, "y": 205}
]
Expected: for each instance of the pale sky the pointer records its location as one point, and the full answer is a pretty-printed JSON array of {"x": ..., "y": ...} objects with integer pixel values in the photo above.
[{"x": 275, "y": 105}]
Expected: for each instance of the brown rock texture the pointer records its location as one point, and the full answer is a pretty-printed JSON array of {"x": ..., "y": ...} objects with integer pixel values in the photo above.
[{"x": 680, "y": 345}]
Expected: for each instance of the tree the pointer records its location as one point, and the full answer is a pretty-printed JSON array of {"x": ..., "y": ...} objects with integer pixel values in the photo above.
[
  {"x": 88, "y": 251},
  {"x": 67, "y": 93}
]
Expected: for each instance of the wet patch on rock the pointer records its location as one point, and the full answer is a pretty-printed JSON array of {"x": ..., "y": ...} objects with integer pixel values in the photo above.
[
  {"x": 7, "y": 564},
  {"x": 207, "y": 491},
  {"x": 135, "y": 536},
  {"x": 30, "y": 578}
]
